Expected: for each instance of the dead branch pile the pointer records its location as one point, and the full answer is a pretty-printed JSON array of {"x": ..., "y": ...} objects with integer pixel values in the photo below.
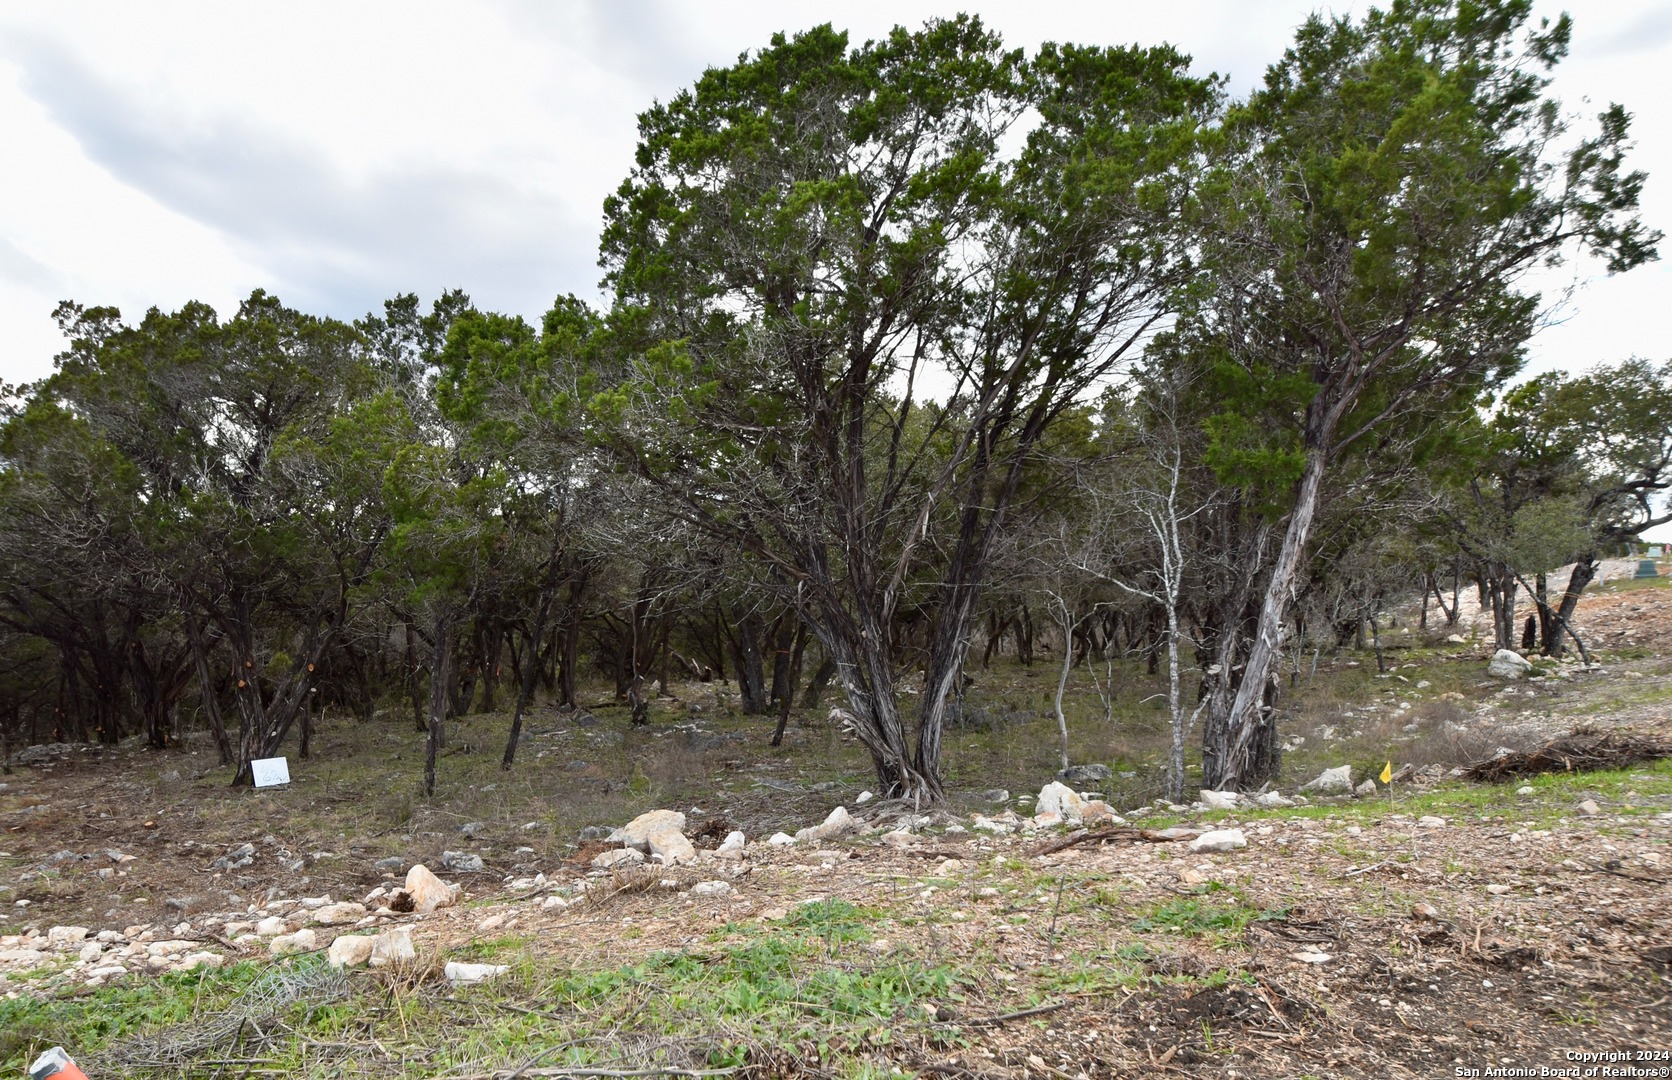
[
  {"x": 1585, "y": 749},
  {"x": 252, "y": 1022}
]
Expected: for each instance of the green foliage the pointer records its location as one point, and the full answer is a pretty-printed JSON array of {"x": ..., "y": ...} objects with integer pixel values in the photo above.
[{"x": 1193, "y": 917}]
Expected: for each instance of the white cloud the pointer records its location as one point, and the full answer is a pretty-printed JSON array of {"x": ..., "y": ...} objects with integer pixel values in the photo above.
[{"x": 338, "y": 154}]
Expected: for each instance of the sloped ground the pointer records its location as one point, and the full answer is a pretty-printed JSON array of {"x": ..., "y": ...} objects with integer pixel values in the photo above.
[{"x": 1352, "y": 938}]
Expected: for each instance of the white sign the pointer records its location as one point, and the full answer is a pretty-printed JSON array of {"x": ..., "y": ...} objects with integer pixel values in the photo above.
[{"x": 270, "y": 772}]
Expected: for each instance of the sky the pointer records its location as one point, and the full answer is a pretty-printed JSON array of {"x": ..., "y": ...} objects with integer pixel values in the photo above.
[{"x": 338, "y": 154}]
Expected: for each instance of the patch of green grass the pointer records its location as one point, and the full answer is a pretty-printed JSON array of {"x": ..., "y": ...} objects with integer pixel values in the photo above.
[
  {"x": 719, "y": 1006},
  {"x": 1099, "y": 972},
  {"x": 1194, "y": 917},
  {"x": 30, "y": 1024}
]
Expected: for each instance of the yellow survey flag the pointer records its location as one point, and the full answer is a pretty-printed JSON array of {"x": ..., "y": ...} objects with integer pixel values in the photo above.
[{"x": 1387, "y": 773}]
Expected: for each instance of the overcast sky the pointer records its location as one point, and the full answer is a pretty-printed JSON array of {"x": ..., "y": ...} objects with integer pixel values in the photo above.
[{"x": 337, "y": 154}]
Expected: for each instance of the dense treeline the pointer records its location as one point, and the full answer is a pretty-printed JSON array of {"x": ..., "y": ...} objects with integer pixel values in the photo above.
[{"x": 916, "y": 348}]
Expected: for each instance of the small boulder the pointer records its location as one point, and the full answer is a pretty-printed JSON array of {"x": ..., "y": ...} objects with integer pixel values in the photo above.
[
  {"x": 996, "y": 795},
  {"x": 236, "y": 859},
  {"x": 711, "y": 888},
  {"x": 427, "y": 891},
  {"x": 469, "y": 974},
  {"x": 1081, "y": 776},
  {"x": 863, "y": 797},
  {"x": 1365, "y": 789},
  {"x": 732, "y": 847},
  {"x": 671, "y": 847},
  {"x": 780, "y": 839},
  {"x": 204, "y": 959},
  {"x": 1057, "y": 798},
  {"x": 1219, "y": 840},
  {"x": 461, "y": 863},
  {"x": 392, "y": 947},
  {"x": 1220, "y": 800},
  {"x": 67, "y": 935},
  {"x": 1508, "y": 664},
  {"x": 1096, "y": 812},
  {"x": 636, "y": 833},
  {"x": 1429, "y": 821},
  {"x": 1336, "y": 781},
  {"x": 392, "y": 864},
  {"x": 899, "y": 838},
  {"x": 341, "y": 914},
  {"x": 303, "y": 940},
  {"x": 272, "y": 926},
  {"x": 608, "y": 860},
  {"x": 350, "y": 950},
  {"x": 839, "y": 824},
  {"x": 1590, "y": 808},
  {"x": 1272, "y": 800}
]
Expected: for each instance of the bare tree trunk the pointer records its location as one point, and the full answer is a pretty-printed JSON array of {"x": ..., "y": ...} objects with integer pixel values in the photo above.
[
  {"x": 1066, "y": 617},
  {"x": 1247, "y": 758}
]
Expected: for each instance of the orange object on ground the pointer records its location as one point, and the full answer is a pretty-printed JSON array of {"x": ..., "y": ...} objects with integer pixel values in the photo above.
[{"x": 55, "y": 1064}]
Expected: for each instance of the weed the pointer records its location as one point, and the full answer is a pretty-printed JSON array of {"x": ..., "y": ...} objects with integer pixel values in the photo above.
[{"x": 1192, "y": 917}]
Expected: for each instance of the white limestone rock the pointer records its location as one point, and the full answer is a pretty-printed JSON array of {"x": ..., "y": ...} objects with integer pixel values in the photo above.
[
  {"x": 1508, "y": 664},
  {"x": 345, "y": 913},
  {"x": 1219, "y": 840},
  {"x": 428, "y": 892},
  {"x": 839, "y": 824},
  {"x": 392, "y": 947},
  {"x": 1336, "y": 781},
  {"x": 623, "y": 857},
  {"x": 470, "y": 974},
  {"x": 351, "y": 950},
  {"x": 303, "y": 940},
  {"x": 637, "y": 833},
  {"x": 1060, "y": 799},
  {"x": 671, "y": 847}
]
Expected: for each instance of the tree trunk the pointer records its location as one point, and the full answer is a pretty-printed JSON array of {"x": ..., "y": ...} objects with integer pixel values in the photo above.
[
  {"x": 859, "y": 652},
  {"x": 1584, "y": 571},
  {"x": 530, "y": 675},
  {"x": 746, "y": 658},
  {"x": 1502, "y": 588},
  {"x": 494, "y": 644},
  {"x": 414, "y": 688},
  {"x": 783, "y": 645},
  {"x": 821, "y": 679},
  {"x": 206, "y": 688},
  {"x": 438, "y": 697},
  {"x": 1062, "y": 681},
  {"x": 1243, "y": 754},
  {"x": 794, "y": 677},
  {"x": 1548, "y": 631}
]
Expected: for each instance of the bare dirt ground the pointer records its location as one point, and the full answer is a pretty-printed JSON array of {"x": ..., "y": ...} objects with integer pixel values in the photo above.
[{"x": 1412, "y": 934}]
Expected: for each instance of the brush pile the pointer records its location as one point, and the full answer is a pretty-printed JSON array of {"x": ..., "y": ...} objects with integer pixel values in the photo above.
[{"x": 1584, "y": 749}]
